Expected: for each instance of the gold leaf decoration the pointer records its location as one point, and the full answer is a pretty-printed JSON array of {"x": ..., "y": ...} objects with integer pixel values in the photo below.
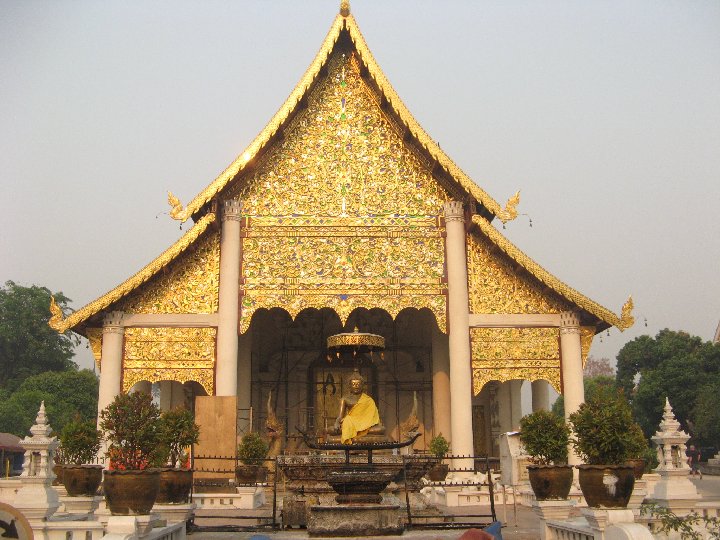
[{"x": 57, "y": 317}]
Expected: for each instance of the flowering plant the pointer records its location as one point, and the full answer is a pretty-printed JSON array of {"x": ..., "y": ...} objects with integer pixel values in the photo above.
[{"x": 130, "y": 424}]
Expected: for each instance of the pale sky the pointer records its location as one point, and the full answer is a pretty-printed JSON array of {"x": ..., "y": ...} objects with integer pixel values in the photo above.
[{"x": 605, "y": 114}]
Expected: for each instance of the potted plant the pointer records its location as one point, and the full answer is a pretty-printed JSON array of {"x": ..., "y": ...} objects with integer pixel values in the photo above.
[
  {"x": 438, "y": 447},
  {"x": 130, "y": 424},
  {"x": 604, "y": 440},
  {"x": 638, "y": 451},
  {"x": 251, "y": 452},
  {"x": 177, "y": 431},
  {"x": 80, "y": 441},
  {"x": 545, "y": 437}
]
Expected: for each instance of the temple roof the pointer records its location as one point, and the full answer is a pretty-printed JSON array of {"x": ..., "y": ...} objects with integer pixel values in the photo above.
[
  {"x": 486, "y": 209},
  {"x": 345, "y": 23}
]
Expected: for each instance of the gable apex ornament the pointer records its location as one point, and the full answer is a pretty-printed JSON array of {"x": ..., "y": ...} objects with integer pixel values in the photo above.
[{"x": 345, "y": 8}]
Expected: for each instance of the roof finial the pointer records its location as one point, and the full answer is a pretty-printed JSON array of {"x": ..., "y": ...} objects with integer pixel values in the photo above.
[{"x": 345, "y": 8}]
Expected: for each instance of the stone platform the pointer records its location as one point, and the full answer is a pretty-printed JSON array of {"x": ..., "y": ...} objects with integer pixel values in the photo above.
[{"x": 354, "y": 520}]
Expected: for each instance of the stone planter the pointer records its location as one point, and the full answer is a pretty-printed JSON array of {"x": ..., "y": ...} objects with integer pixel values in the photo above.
[
  {"x": 131, "y": 492},
  {"x": 174, "y": 485},
  {"x": 550, "y": 482},
  {"x": 82, "y": 480},
  {"x": 608, "y": 486}
]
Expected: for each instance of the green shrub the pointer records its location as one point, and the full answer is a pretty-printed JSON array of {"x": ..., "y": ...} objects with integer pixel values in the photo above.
[
  {"x": 80, "y": 442},
  {"x": 131, "y": 425},
  {"x": 252, "y": 449},
  {"x": 603, "y": 427},
  {"x": 439, "y": 446},
  {"x": 177, "y": 430},
  {"x": 545, "y": 436}
]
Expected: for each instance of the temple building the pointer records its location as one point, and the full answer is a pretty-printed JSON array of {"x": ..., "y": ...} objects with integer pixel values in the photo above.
[{"x": 343, "y": 213}]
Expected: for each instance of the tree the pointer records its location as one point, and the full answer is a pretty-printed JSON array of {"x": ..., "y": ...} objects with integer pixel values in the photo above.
[
  {"x": 28, "y": 346},
  {"x": 592, "y": 387},
  {"x": 66, "y": 394},
  {"x": 675, "y": 365},
  {"x": 707, "y": 414},
  {"x": 596, "y": 367}
]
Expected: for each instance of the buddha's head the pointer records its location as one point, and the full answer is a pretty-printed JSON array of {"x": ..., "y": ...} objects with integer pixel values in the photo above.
[{"x": 356, "y": 383}]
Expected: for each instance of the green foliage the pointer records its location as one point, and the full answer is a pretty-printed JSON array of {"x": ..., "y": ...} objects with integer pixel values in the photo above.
[
  {"x": 177, "y": 431},
  {"x": 674, "y": 365},
  {"x": 603, "y": 429},
  {"x": 66, "y": 394},
  {"x": 591, "y": 385},
  {"x": 545, "y": 437},
  {"x": 80, "y": 441},
  {"x": 252, "y": 449},
  {"x": 131, "y": 425},
  {"x": 690, "y": 527},
  {"x": 638, "y": 444},
  {"x": 706, "y": 414},
  {"x": 28, "y": 346},
  {"x": 439, "y": 445}
]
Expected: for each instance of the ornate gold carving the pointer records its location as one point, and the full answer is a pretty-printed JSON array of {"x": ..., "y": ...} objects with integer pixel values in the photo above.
[
  {"x": 510, "y": 211},
  {"x": 626, "y": 316},
  {"x": 190, "y": 284},
  {"x": 94, "y": 336},
  {"x": 179, "y": 354},
  {"x": 141, "y": 277},
  {"x": 504, "y": 354},
  {"x": 587, "y": 333},
  {"x": 340, "y": 213},
  {"x": 355, "y": 339},
  {"x": 543, "y": 275},
  {"x": 495, "y": 286},
  {"x": 57, "y": 317},
  {"x": 364, "y": 56},
  {"x": 177, "y": 211}
]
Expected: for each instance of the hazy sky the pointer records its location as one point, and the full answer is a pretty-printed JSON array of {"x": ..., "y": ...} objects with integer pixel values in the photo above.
[{"x": 605, "y": 114}]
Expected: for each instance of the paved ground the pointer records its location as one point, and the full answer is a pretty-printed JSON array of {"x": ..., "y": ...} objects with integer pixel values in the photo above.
[{"x": 521, "y": 523}]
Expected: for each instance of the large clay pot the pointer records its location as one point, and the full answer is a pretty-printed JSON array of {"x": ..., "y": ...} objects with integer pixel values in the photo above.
[
  {"x": 250, "y": 474},
  {"x": 608, "y": 486},
  {"x": 174, "y": 486},
  {"x": 82, "y": 480},
  {"x": 550, "y": 482},
  {"x": 131, "y": 492},
  {"x": 638, "y": 466},
  {"x": 58, "y": 471},
  {"x": 438, "y": 472}
]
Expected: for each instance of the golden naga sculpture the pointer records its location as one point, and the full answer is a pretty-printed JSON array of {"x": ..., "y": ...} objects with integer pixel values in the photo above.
[
  {"x": 411, "y": 425},
  {"x": 274, "y": 430},
  {"x": 177, "y": 211},
  {"x": 57, "y": 319},
  {"x": 510, "y": 211},
  {"x": 626, "y": 316}
]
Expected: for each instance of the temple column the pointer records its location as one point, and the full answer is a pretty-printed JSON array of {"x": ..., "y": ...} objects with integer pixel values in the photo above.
[
  {"x": 228, "y": 304},
  {"x": 516, "y": 403},
  {"x": 540, "y": 396},
  {"x": 571, "y": 368},
  {"x": 504, "y": 407},
  {"x": 459, "y": 333},
  {"x": 113, "y": 335},
  {"x": 441, "y": 383},
  {"x": 244, "y": 371}
]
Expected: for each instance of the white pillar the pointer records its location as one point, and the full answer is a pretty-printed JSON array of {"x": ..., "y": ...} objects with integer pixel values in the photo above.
[
  {"x": 504, "y": 400},
  {"x": 516, "y": 403},
  {"x": 441, "y": 383},
  {"x": 244, "y": 391},
  {"x": 540, "y": 396},
  {"x": 111, "y": 359},
  {"x": 459, "y": 333},
  {"x": 228, "y": 305},
  {"x": 571, "y": 367}
]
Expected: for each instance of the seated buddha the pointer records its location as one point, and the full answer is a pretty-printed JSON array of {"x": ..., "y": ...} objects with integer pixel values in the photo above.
[{"x": 358, "y": 416}]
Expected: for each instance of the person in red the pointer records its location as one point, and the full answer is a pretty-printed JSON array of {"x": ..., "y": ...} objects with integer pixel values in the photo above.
[{"x": 693, "y": 459}]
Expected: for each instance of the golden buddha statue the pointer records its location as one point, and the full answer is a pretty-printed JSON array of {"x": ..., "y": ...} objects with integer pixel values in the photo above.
[{"x": 358, "y": 415}]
